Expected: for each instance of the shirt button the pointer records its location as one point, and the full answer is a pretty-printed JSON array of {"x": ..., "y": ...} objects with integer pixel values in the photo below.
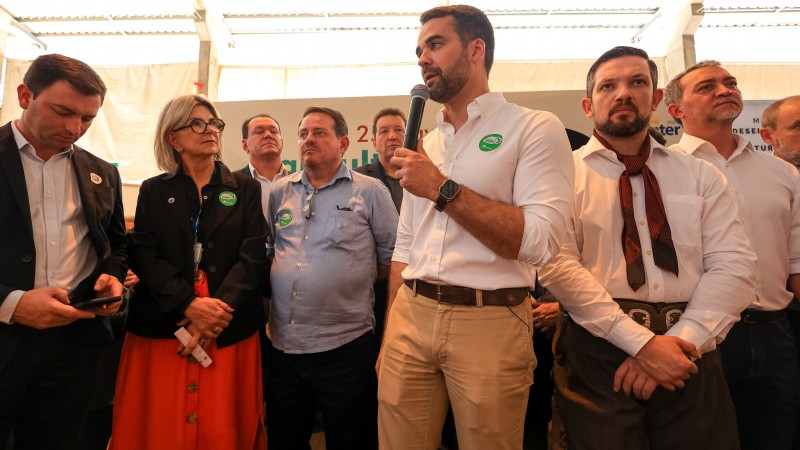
[
  {"x": 191, "y": 418},
  {"x": 205, "y": 197},
  {"x": 294, "y": 293},
  {"x": 210, "y": 245},
  {"x": 49, "y": 191},
  {"x": 305, "y": 237},
  {"x": 212, "y": 269},
  {"x": 635, "y": 194},
  {"x": 192, "y": 388},
  {"x": 649, "y": 252},
  {"x": 641, "y": 222},
  {"x": 53, "y": 243},
  {"x": 291, "y": 321},
  {"x": 27, "y": 258},
  {"x": 433, "y": 258},
  {"x": 298, "y": 264},
  {"x": 312, "y": 213},
  {"x": 656, "y": 286}
]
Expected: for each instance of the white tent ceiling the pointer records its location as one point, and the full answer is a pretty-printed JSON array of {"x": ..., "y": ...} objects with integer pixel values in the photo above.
[{"x": 354, "y": 32}]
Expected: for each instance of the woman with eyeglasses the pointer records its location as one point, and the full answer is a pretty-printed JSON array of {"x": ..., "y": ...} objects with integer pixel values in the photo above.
[{"x": 199, "y": 250}]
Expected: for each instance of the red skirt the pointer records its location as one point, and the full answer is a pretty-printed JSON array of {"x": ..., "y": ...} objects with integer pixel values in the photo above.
[{"x": 166, "y": 402}]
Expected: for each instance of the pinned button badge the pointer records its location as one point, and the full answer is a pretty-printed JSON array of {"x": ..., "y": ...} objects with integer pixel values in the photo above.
[
  {"x": 95, "y": 178},
  {"x": 227, "y": 198}
]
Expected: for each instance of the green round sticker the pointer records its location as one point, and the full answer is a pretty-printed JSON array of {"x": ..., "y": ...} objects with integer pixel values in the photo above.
[
  {"x": 490, "y": 142},
  {"x": 285, "y": 217},
  {"x": 227, "y": 198}
]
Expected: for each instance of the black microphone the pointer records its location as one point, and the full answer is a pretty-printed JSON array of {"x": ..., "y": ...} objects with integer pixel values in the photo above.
[{"x": 419, "y": 95}]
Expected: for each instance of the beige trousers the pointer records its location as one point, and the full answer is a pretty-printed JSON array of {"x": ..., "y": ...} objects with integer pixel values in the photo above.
[{"x": 481, "y": 359}]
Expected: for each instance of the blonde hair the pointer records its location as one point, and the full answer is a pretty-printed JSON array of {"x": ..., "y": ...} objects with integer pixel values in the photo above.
[{"x": 174, "y": 115}]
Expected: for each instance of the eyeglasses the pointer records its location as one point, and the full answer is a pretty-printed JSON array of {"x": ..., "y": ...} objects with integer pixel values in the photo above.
[
  {"x": 308, "y": 209},
  {"x": 200, "y": 127}
]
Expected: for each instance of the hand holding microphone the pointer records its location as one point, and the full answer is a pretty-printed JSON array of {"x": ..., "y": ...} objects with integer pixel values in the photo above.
[
  {"x": 419, "y": 95},
  {"x": 417, "y": 174}
]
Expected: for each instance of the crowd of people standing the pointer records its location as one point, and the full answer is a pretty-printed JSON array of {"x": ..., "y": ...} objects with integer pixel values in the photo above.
[{"x": 388, "y": 298}]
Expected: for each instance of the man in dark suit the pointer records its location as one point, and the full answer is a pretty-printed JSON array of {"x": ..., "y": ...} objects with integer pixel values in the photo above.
[
  {"x": 263, "y": 143},
  {"x": 62, "y": 241},
  {"x": 388, "y": 130}
]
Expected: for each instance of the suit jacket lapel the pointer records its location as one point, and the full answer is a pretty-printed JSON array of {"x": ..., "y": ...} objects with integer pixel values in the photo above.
[
  {"x": 11, "y": 164},
  {"x": 173, "y": 195},
  {"x": 85, "y": 172},
  {"x": 219, "y": 212},
  {"x": 378, "y": 169}
]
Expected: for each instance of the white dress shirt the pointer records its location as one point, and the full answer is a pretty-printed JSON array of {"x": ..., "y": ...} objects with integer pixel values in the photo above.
[
  {"x": 64, "y": 255},
  {"x": 716, "y": 264},
  {"x": 530, "y": 168},
  {"x": 266, "y": 184},
  {"x": 767, "y": 191}
]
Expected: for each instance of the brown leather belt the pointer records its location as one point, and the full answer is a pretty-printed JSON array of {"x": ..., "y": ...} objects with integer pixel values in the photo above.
[
  {"x": 656, "y": 317},
  {"x": 759, "y": 316},
  {"x": 457, "y": 295}
]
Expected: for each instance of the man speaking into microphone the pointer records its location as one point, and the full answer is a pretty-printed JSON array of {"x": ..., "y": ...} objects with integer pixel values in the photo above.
[{"x": 488, "y": 196}]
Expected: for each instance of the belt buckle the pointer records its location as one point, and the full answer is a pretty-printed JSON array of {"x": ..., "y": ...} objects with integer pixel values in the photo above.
[
  {"x": 640, "y": 316},
  {"x": 672, "y": 316},
  {"x": 478, "y": 298}
]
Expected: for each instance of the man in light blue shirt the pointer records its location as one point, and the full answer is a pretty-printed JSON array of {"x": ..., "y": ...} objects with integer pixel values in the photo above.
[{"x": 333, "y": 234}]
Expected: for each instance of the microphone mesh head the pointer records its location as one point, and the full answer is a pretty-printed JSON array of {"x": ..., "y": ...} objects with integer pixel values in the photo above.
[{"x": 421, "y": 90}]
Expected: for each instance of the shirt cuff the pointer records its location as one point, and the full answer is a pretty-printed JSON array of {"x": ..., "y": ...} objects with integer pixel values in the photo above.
[
  {"x": 694, "y": 334},
  {"x": 9, "y": 305},
  {"x": 400, "y": 255},
  {"x": 629, "y": 336},
  {"x": 534, "y": 248}
]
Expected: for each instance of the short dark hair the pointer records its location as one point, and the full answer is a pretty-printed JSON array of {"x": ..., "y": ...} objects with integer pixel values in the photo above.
[
  {"x": 470, "y": 23},
  {"x": 46, "y": 70},
  {"x": 619, "y": 52},
  {"x": 386, "y": 112},
  {"x": 246, "y": 123},
  {"x": 339, "y": 124},
  {"x": 770, "y": 114}
]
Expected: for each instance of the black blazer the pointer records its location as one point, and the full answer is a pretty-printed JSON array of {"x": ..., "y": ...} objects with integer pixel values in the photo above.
[
  {"x": 161, "y": 255},
  {"x": 102, "y": 206},
  {"x": 245, "y": 171},
  {"x": 375, "y": 170}
]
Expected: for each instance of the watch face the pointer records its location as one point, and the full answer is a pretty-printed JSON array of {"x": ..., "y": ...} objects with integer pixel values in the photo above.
[{"x": 449, "y": 189}]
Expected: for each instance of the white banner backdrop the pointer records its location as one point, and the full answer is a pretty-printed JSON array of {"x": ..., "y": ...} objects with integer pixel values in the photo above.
[{"x": 359, "y": 113}]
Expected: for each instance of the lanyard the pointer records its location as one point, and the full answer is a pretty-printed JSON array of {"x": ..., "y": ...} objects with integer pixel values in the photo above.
[
  {"x": 197, "y": 247},
  {"x": 196, "y": 221}
]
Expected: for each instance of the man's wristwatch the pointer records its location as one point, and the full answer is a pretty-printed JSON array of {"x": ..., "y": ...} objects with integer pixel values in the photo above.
[{"x": 447, "y": 193}]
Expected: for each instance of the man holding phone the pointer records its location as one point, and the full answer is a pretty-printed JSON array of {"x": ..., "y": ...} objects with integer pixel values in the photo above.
[{"x": 63, "y": 242}]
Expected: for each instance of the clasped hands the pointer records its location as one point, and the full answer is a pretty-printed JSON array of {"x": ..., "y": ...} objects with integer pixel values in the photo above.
[
  {"x": 205, "y": 319},
  {"x": 665, "y": 361}
]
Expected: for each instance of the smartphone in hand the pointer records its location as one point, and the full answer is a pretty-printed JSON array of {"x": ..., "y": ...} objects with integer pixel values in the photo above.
[{"x": 97, "y": 302}]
